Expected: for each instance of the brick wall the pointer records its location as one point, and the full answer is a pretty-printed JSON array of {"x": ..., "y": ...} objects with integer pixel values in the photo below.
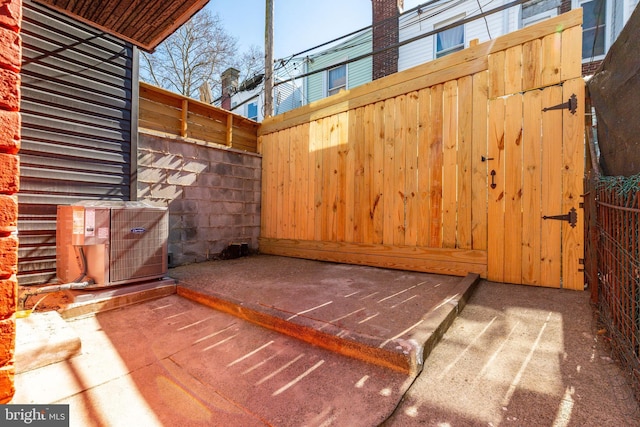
[
  {"x": 10, "y": 59},
  {"x": 589, "y": 68},
  {"x": 385, "y": 33},
  {"x": 213, "y": 194},
  {"x": 565, "y": 6}
]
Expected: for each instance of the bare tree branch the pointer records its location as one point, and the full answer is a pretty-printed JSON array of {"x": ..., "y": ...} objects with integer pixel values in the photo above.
[{"x": 196, "y": 53}]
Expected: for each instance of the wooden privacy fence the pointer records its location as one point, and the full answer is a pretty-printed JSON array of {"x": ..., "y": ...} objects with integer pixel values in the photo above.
[
  {"x": 172, "y": 114},
  {"x": 449, "y": 167}
]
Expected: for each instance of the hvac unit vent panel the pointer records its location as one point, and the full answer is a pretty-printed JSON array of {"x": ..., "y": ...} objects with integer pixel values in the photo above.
[
  {"x": 138, "y": 243},
  {"x": 116, "y": 242}
]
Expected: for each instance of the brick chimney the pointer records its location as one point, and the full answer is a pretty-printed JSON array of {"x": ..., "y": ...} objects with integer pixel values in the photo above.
[
  {"x": 229, "y": 86},
  {"x": 385, "y": 34}
]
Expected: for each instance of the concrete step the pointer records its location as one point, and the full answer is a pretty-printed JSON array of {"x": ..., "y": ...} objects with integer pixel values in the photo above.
[
  {"x": 44, "y": 337},
  {"x": 405, "y": 353},
  {"x": 91, "y": 301}
]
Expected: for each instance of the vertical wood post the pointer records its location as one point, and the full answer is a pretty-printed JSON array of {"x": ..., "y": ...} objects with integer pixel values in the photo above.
[
  {"x": 229, "y": 130},
  {"x": 183, "y": 122},
  {"x": 268, "y": 60}
]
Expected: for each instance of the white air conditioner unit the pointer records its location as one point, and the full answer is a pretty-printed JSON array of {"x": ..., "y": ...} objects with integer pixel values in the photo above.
[{"x": 112, "y": 243}]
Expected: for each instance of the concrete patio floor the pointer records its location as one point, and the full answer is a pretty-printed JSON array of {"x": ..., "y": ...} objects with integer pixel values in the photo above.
[{"x": 514, "y": 356}]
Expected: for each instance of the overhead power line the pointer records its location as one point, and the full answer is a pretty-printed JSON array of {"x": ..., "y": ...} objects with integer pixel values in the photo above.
[{"x": 409, "y": 40}]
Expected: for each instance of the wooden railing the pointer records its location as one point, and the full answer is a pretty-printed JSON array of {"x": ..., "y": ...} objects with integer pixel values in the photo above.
[{"x": 168, "y": 113}]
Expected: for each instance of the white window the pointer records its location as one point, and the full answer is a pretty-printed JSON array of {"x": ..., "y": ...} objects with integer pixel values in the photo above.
[
  {"x": 450, "y": 40},
  {"x": 336, "y": 79},
  {"x": 539, "y": 17},
  {"x": 594, "y": 28}
]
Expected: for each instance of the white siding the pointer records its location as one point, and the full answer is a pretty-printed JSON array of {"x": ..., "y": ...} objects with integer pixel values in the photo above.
[{"x": 414, "y": 24}]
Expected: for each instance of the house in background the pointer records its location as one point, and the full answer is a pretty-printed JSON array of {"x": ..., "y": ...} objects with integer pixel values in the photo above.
[
  {"x": 426, "y": 32},
  {"x": 247, "y": 97},
  {"x": 602, "y": 22},
  {"x": 334, "y": 72}
]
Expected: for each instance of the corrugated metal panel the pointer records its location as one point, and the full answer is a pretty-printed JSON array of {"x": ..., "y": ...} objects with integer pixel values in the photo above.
[{"x": 76, "y": 127}]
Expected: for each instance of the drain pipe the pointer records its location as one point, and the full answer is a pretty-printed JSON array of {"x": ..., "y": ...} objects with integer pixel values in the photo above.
[
  {"x": 50, "y": 289},
  {"x": 76, "y": 284}
]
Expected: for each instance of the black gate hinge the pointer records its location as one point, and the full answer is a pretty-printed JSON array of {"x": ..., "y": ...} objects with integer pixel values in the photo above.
[
  {"x": 571, "y": 105},
  {"x": 571, "y": 217}
]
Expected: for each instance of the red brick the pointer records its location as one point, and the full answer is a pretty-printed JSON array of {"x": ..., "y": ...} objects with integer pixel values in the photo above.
[
  {"x": 10, "y": 49},
  {"x": 8, "y": 297},
  {"x": 7, "y": 387},
  {"x": 8, "y": 214},
  {"x": 8, "y": 256},
  {"x": 11, "y": 14},
  {"x": 10, "y": 124},
  {"x": 9, "y": 174},
  {"x": 7, "y": 340},
  {"x": 9, "y": 90}
]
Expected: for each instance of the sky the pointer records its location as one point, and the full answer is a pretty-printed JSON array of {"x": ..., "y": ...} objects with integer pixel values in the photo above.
[{"x": 298, "y": 24}]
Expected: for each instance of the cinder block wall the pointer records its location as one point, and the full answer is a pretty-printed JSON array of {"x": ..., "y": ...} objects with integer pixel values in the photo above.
[
  {"x": 213, "y": 195},
  {"x": 10, "y": 59}
]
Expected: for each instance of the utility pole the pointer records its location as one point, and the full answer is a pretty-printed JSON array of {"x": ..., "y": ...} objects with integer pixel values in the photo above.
[{"x": 268, "y": 60}]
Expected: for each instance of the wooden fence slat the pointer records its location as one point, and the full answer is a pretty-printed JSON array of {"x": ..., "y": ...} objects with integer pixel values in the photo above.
[
  {"x": 411, "y": 183},
  {"x": 353, "y": 183},
  {"x": 496, "y": 74},
  {"x": 513, "y": 190},
  {"x": 296, "y": 178},
  {"x": 513, "y": 70},
  {"x": 424, "y": 149},
  {"x": 464, "y": 162},
  {"x": 435, "y": 167},
  {"x": 571, "y": 65},
  {"x": 326, "y": 218},
  {"x": 479, "y": 168},
  {"x": 531, "y": 64},
  {"x": 317, "y": 137},
  {"x": 449, "y": 163},
  {"x": 330, "y": 185},
  {"x": 551, "y": 59},
  {"x": 532, "y": 215},
  {"x": 265, "y": 192},
  {"x": 399, "y": 171},
  {"x": 305, "y": 186},
  {"x": 283, "y": 182},
  {"x": 495, "y": 238},
  {"x": 273, "y": 222},
  {"x": 572, "y": 186},
  {"x": 388, "y": 231},
  {"x": 341, "y": 148},
  {"x": 551, "y": 181},
  {"x": 365, "y": 185},
  {"x": 377, "y": 193}
]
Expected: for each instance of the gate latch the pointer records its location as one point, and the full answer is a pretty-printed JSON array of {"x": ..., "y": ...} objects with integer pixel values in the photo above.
[
  {"x": 571, "y": 105},
  {"x": 571, "y": 217}
]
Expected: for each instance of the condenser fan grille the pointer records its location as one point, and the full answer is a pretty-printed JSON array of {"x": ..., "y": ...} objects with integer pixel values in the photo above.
[{"x": 137, "y": 240}]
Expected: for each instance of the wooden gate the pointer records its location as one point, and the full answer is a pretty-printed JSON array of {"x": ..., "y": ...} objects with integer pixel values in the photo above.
[
  {"x": 535, "y": 166},
  {"x": 449, "y": 167}
]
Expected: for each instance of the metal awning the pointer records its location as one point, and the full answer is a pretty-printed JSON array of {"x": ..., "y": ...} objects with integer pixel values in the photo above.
[{"x": 145, "y": 23}]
